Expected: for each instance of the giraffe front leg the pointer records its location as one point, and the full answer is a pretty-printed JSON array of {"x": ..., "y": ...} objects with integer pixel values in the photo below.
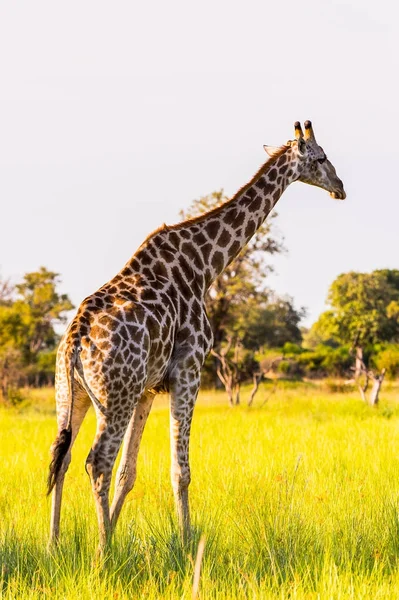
[
  {"x": 182, "y": 396},
  {"x": 126, "y": 475}
]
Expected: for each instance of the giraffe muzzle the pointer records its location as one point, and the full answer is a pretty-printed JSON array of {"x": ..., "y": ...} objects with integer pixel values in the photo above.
[{"x": 338, "y": 195}]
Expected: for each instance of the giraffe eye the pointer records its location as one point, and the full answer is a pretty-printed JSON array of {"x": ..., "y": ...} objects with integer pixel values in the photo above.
[{"x": 321, "y": 160}]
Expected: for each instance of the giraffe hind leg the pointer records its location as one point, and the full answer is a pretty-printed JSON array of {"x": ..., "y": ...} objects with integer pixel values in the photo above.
[
  {"x": 111, "y": 428},
  {"x": 81, "y": 405},
  {"x": 126, "y": 475}
]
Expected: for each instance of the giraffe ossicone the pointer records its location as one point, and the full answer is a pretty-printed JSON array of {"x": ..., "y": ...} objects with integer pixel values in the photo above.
[{"x": 147, "y": 330}]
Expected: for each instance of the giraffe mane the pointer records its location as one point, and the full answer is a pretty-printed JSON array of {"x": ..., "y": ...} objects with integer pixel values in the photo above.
[{"x": 215, "y": 211}]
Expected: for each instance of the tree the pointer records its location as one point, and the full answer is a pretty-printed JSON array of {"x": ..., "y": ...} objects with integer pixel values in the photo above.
[
  {"x": 6, "y": 292},
  {"x": 43, "y": 308},
  {"x": 364, "y": 311},
  {"x": 364, "y": 304},
  {"x": 28, "y": 314},
  {"x": 272, "y": 322}
]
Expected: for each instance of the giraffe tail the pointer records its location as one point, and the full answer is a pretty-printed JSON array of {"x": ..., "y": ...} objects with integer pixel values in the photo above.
[
  {"x": 59, "y": 450},
  {"x": 63, "y": 441}
]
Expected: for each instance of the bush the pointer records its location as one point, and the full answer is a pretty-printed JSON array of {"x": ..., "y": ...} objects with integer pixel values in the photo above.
[
  {"x": 388, "y": 358},
  {"x": 322, "y": 362},
  {"x": 290, "y": 368},
  {"x": 337, "y": 387},
  {"x": 14, "y": 397},
  {"x": 290, "y": 348}
]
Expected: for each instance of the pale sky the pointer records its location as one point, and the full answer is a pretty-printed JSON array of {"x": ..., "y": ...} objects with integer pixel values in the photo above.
[{"x": 115, "y": 115}]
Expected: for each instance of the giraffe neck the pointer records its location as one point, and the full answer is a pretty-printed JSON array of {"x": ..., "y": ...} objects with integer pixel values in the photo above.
[
  {"x": 192, "y": 254},
  {"x": 220, "y": 235}
]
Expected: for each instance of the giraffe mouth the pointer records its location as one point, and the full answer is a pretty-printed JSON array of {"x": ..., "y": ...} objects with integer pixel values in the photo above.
[{"x": 338, "y": 195}]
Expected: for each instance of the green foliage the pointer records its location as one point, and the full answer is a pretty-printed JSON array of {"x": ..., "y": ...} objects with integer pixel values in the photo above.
[
  {"x": 387, "y": 358},
  {"x": 271, "y": 322},
  {"x": 323, "y": 331},
  {"x": 290, "y": 348},
  {"x": 362, "y": 304},
  {"x": 43, "y": 307},
  {"x": 28, "y": 316},
  {"x": 320, "y": 362}
]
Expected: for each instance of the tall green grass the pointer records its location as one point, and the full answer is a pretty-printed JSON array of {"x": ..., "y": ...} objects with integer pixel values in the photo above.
[{"x": 298, "y": 499}]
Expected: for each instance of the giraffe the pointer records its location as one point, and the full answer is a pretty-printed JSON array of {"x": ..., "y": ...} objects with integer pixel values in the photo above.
[{"x": 147, "y": 331}]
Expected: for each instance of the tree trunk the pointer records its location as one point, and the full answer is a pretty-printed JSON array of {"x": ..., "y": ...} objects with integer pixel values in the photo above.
[
  {"x": 257, "y": 378},
  {"x": 228, "y": 374},
  {"x": 375, "y": 390},
  {"x": 359, "y": 364},
  {"x": 237, "y": 393}
]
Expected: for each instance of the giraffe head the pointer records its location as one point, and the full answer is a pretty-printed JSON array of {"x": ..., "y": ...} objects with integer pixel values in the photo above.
[{"x": 312, "y": 164}]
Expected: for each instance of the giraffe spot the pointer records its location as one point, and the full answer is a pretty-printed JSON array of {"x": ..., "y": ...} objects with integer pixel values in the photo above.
[
  {"x": 148, "y": 295},
  {"x": 197, "y": 260},
  {"x": 290, "y": 172},
  {"x": 218, "y": 261},
  {"x": 272, "y": 174},
  {"x": 168, "y": 254},
  {"x": 186, "y": 267},
  {"x": 134, "y": 263},
  {"x": 234, "y": 249},
  {"x": 99, "y": 332},
  {"x": 174, "y": 239},
  {"x": 207, "y": 275},
  {"x": 159, "y": 269},
  {"x": 116, "y": 339},
  {"x": 75, "y": 327},
  {"x": 224, "y": 238},
  {"x": 124, "y": 333},
  {"x": 145, "y": 258},
  {"x": 184, "y": 288},
  {"x": 106, "y": 321},
  {"x": 196, "y": 305},
  {"x": 250, "y": 194},
  {"x": 281, "y": 160},
  {"x": 187, "y": 249},
  {"x": 230, "y": 216},
  {"x": 104, "y": 345},
  {"x": 199, "y": 357},
  {"x": 158, "y": 285},
  {"x": 195, "y": 321},
  {"x": 206, "y": 251},
  {"x": 199, "y": 238},
  {"x": 184, "y": 234},
  {"x": 283, "y": 169},
  {"x": 212, "y": 229},
  {"x": 118, "y": 359},
  {"x": 183, "y": 310},
  {"x": 255, "y": 204},
  {"x": 250, "y": 229},
  {"x": 276, "y": 195}
]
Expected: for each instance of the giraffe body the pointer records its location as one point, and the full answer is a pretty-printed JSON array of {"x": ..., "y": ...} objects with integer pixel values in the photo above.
[{"x": 146, "y": 330}]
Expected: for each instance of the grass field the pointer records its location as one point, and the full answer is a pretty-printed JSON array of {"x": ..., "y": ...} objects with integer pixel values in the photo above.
[{"x": 298, "y": 499}]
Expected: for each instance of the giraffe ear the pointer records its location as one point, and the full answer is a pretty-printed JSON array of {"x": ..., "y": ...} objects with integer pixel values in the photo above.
[{"x": 272, "y": 150}]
